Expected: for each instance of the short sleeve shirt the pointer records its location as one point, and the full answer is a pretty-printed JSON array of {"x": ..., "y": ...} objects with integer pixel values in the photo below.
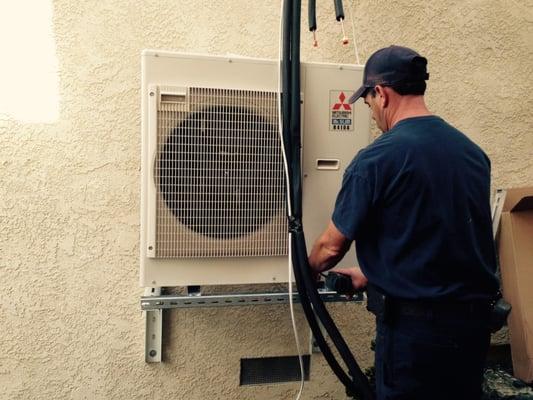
[{"x": 417, "y": 203}]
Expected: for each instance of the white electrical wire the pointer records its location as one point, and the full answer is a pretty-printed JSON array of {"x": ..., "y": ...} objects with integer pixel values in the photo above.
[
  {"x": 289, "y": 210},
  {"x": 353, "y": 33}
]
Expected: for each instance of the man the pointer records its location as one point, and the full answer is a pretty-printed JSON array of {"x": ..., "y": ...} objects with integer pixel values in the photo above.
[{"x": 416, "y": 203}]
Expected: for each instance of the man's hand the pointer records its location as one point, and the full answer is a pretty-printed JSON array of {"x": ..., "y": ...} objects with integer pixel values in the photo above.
[{"x": 359, "y": 280}]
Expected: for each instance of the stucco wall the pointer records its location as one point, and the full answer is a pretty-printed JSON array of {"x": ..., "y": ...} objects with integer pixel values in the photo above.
[{"x": 69, "y": 191}]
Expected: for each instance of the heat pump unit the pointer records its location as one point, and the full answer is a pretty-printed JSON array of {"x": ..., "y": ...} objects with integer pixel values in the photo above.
[{"x": 213, "y": 183}]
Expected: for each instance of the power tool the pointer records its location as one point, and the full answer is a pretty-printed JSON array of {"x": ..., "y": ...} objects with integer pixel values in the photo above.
[{"x": 342, "y": 284}]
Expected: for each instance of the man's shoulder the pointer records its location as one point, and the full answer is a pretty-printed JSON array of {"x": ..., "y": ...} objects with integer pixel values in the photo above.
[
  {"x": 369, "y": 158},
  {"x": 381, "y": 148},
  {"x": 432, "y": 131},
  {"x": 460, "y": 138}
]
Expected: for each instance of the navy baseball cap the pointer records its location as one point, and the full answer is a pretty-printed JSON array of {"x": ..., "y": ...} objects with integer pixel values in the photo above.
[{"x": 391, "y": 65}]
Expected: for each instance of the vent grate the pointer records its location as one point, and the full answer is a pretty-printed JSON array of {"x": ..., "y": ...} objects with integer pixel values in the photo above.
[
  {"x": 258, "y": 371},
  {"x": 220, "y": 176}
]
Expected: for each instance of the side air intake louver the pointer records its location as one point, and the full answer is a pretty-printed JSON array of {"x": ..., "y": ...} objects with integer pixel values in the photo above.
[{"x": 219, "y": 173}]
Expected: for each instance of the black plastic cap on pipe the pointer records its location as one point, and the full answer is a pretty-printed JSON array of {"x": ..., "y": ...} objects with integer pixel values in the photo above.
[
  {"x": 311, "y": 12},
  {"x": 339, "y": 11}
]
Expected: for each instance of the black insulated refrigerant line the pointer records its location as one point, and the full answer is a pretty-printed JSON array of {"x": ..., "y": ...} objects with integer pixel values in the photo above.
[
  {"x": 355, "y": 381},
  {"x": 339, "y": 10},
  {"x": 311, "y": 14}
]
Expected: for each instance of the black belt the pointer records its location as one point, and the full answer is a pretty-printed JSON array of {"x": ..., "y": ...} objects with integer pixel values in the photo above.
[
  {"x": 436, "y": 310},
  {"x": 384, "y": 306}
]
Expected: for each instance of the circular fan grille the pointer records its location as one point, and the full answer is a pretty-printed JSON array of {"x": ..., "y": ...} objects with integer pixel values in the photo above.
[{"x": 221, "y": 172}]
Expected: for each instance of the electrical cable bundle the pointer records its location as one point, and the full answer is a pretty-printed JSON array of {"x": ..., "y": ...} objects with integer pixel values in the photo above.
[{"x": 355, "y": 381}]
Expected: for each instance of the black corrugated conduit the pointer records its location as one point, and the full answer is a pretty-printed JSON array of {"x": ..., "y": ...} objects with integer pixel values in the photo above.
[{"x": 355, "y": 381}]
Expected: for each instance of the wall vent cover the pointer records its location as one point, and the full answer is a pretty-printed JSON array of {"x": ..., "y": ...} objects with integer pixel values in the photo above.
[{"x": 265, "y": 370}]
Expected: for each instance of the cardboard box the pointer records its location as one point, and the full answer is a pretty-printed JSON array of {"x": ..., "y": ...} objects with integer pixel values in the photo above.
[{"x": 516, "y": 262}]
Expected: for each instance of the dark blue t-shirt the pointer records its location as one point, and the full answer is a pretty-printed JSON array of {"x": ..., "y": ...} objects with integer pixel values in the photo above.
[{"x": 417, "y": 203}]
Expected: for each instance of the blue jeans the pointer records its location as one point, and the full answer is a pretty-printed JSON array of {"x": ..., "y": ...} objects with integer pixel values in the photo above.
[{"x": 431, "y": 359}]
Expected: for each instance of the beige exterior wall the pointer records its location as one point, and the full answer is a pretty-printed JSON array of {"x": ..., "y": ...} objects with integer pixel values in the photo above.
[{"x": 69, "y": 191}]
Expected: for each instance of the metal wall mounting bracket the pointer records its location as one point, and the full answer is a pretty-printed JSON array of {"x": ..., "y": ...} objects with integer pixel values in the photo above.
[
  {"x": 153, "y": 304},
  {"x": 240, "y": 299},
  {"x": 153, "y": 320}
]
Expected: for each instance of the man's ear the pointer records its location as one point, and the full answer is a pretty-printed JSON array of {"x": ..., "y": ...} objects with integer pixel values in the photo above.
[{"x": 383, "y": 95}]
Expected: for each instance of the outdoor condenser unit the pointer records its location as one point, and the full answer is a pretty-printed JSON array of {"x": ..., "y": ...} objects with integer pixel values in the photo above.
[{"x": 213, "y": 183}]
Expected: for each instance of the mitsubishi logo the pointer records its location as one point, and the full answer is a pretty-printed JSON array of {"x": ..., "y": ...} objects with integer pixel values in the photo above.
[
  {"x": 342, "y": 97},
  {"x": 340, "y": 113}
]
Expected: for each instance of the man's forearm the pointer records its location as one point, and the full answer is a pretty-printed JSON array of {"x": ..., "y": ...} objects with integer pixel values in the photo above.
[
  {"x": 322, "y": 259},
  {"x": 329, "y": 249}
]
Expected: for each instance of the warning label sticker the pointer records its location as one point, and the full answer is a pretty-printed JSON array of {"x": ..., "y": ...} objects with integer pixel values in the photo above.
[{"x": 340, "y": 112}]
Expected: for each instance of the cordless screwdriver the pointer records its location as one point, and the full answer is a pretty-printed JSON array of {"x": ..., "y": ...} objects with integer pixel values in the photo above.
[{"x": 342, "y": 284}]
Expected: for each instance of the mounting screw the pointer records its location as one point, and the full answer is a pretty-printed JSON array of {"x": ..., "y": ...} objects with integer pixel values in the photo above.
[
  {"x": 152, "y": 93},
  {"x": 150, "y": 247},
  {"x": 153, "y": 353}
]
